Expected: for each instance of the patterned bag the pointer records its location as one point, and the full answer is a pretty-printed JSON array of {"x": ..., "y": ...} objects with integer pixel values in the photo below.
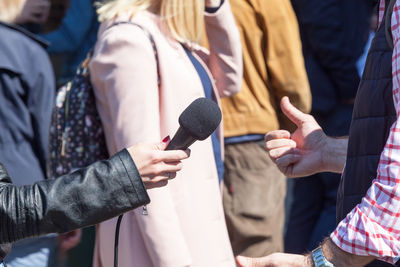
[{"x": 76, "y": 133}]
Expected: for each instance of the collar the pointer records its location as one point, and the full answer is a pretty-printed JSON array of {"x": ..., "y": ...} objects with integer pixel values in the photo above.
[{"x": 27, "y": 33}]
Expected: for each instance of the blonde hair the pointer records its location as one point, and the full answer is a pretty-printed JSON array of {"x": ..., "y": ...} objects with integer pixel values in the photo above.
[
  {"x": 10, "y": 10},
  {"x": 184, "y": 18}
]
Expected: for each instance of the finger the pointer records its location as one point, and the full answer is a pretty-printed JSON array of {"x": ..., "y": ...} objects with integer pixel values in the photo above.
[
  {"x": 39, "y": 4},
  {"x": 163, "y": 167},
  {"x": 278, "y": 134},
  {"x": 287, "y": 160},
  {"x": 252, "y": 262},
  {"x": 277, "y": 143},
  {"x": 164, "y": 143},
  {"x": 164, "y": 176},
  {"x": 155, "y": 185},
  {"x": 173, "y": 155},
  {"x": 281, "y": 151},
  {"x": 295, "y": 115}
]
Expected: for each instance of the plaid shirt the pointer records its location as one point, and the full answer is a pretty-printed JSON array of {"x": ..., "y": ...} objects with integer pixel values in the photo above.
[{"x": 373, "y": 227}]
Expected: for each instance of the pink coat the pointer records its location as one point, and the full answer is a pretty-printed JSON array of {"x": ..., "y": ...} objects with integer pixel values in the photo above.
[{"x": 185, "y": 224}]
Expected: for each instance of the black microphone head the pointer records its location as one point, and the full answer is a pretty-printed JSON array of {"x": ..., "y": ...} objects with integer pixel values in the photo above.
[{"x": 201, "y": 118}]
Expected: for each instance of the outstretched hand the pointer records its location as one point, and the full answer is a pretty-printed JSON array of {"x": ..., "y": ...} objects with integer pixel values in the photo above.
[
  {"x": 299, "y": 154},
  {"x": 274, "y": 260},
  {"x": 155, "y": 165}
]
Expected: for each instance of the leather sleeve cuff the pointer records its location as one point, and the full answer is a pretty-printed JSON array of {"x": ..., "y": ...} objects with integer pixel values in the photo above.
[{"x": 131, "y": 179}]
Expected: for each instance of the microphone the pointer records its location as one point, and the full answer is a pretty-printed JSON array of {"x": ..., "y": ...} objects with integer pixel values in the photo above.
[{"x": 197, "y": 122}]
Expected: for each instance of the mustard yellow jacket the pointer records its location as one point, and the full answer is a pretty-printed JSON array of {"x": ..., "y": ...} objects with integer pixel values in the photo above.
[{"x": 273, "y": 68}]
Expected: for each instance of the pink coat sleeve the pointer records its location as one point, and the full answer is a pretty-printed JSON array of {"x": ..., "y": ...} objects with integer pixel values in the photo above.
[
  {"x": 125, "y": 78},
  {"x": 225, "y": 59}
]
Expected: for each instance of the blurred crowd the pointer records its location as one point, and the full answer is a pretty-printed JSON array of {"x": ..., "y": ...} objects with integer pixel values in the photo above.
[{"x": 243, "y": 54}]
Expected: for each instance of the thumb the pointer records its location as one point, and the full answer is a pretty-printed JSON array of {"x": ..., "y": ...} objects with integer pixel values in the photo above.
[
  {"x": 250, "y": 262},
  {"x": 295, "y": 115}
]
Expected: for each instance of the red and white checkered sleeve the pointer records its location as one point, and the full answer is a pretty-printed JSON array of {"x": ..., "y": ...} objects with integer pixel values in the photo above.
[
  {"x": 381, "y": 10},
  {"x": 373, "y": 227}
]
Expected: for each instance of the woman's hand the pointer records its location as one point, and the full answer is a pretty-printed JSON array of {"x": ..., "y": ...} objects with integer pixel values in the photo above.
[
  {"x": 213, "y": 3},
  {"x": 155, "y": 165},
  {"x": 34, "y": 11}
]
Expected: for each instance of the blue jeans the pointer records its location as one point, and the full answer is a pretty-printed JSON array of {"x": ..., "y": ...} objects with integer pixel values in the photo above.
[{"x": 34, "y": 252}]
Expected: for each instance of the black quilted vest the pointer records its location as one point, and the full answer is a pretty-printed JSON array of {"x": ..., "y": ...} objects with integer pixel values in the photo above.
[{"x": 373, "y": 115}]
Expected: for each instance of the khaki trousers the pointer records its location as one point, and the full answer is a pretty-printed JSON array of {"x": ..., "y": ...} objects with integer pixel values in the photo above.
[{"x": 253, "y": 196}]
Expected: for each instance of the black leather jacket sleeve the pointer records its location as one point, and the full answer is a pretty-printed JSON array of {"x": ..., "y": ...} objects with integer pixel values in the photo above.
[{"x": 85, "y": 197}]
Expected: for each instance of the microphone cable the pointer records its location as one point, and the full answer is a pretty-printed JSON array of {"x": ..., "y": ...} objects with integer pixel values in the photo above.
[{"x": 117, "y": 240}]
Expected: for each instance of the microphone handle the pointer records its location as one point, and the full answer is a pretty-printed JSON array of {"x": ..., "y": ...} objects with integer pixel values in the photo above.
[{"x": 181, "y": 140}]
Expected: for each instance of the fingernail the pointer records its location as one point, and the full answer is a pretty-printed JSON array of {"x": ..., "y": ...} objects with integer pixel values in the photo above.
[{"x": 166, "y": 139}]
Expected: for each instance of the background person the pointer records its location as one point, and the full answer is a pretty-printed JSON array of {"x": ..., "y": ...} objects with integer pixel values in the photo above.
[
  {"x": 26, "y": 99},
  {"x": 368, "y": 198},
  {"x": 333, "y": 38},
  {"x": 254, "y": 189},
  {"x": 74, "y": 38},
  {"x": 140, "y": 99}
]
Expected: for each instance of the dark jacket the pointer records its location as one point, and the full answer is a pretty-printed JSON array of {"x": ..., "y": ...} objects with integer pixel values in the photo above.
[
  {"x": 26, "y": 98},
  {"x": 374, "y": 114},
  {"x": 86, "y": 197},
  {"x": 333, "y": 33}
]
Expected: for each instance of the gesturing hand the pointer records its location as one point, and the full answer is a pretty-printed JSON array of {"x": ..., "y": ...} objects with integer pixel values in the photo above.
[
  {"x": 34, "y": 11},
  {"x": 155, "y": 165},
  {"x": 299, "y": 154},
  {"x": 274, "y": 260}
]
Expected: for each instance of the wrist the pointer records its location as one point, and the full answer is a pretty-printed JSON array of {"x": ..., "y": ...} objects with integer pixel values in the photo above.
[
  {"x": 308, "y": 260},
  {"x": 334, "y": 154},
  {"x": 341, "y": 258},
  {"x": 326, "y": 157}
]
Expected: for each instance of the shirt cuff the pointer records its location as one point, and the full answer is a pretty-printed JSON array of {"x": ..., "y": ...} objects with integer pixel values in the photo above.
[{"x": 358, "y": 235}]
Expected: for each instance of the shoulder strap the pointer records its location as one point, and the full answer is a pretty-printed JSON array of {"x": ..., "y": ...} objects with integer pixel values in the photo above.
[
  {"x": 153, "y": 43},
  {"x": 388, "y": 21}
]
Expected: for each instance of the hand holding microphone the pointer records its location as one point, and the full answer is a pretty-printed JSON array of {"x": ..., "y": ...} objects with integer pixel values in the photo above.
[{"x": 156, "y": 166}]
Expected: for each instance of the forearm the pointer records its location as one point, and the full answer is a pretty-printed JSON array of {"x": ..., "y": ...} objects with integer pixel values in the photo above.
[
  {"x": 334, "y": 154},
  {"x": 86, "y": 197},
  {"x": 225, "y": 60},
  {"x": 341, "y": 258}
]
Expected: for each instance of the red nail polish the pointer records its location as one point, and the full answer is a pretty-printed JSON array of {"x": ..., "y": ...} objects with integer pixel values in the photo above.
[{"x": 166, "y": 139}]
